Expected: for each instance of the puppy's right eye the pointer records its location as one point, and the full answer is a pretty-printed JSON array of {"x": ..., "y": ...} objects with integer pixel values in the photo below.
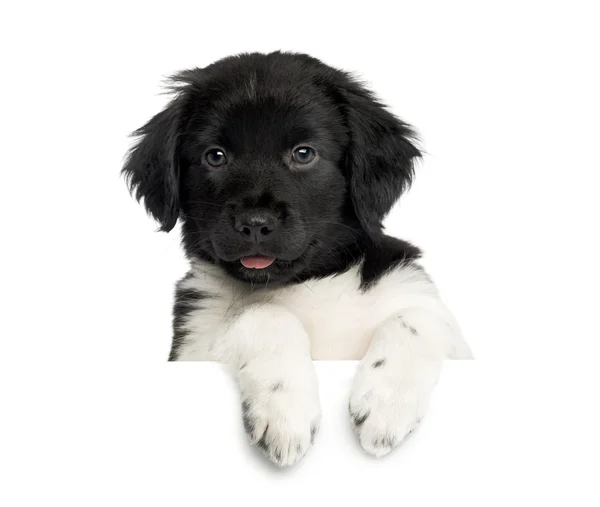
[
  {"x": 304, "y": 155},
  {"x": 216, "y": 157}
]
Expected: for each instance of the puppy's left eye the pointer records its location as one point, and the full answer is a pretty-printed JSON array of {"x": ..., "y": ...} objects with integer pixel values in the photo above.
[
  {"x": 216, "y": 157},
  {"x": 303, "y": 155}
]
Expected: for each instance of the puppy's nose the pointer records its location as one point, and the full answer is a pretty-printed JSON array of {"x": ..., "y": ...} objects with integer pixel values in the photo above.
[{"x": 255, "y": 226}]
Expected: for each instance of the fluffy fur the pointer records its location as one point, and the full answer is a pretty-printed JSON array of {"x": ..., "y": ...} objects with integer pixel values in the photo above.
[{"x": 223, "y": 158}]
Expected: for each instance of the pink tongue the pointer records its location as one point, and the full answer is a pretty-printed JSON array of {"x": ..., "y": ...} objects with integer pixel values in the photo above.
[{"x": 257, "y": 261}]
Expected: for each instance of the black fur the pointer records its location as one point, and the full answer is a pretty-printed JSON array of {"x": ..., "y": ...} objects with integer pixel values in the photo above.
[
  {"x": 313, "y": 432},
  {"x": 278, "y": 386},
  {"x": 247, "y": 419},
  {"x": 257, "y": 108},
  {"x": 410, "y": 328},
  {"x": 379, "y": 363},
  {"x": 359, "y": 419},
  {"x": 186, "y": 301},
  {"x": 384, "y": 256}
]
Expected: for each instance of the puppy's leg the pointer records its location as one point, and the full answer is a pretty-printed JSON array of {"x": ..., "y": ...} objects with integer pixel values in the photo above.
[
  {"x": 270, "y": 351},
  {"x": 391, "y": 390}
]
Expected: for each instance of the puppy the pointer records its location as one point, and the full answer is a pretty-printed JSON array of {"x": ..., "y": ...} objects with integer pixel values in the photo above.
[{"x": 281, "y": 169}]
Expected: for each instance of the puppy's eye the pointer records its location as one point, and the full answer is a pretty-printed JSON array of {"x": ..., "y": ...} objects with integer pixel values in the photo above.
[
  {"x": 216, "y": 157},
  {"x": 303, "y": 155}
]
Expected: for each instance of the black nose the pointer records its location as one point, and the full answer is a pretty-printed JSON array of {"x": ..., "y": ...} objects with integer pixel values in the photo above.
[{"x": 255, "y": 226}]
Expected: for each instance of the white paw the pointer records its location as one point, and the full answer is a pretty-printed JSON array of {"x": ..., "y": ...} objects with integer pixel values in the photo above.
[
  {"x": 281, "y": 418},
  {"x": 388, "y": 400}
]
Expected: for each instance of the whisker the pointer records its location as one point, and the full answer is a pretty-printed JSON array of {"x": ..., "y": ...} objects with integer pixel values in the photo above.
[{"x": 205, "y": 202}]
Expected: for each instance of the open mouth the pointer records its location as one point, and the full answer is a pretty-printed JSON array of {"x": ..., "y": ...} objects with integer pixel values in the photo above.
[{"x": 257, "y": 261}]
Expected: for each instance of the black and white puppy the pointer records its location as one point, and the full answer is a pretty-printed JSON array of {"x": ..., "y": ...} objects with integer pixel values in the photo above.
[{"x": 281, "y": 169}]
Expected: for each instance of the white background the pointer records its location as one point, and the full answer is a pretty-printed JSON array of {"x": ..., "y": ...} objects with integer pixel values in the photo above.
[{"x": 505, "y": 205}]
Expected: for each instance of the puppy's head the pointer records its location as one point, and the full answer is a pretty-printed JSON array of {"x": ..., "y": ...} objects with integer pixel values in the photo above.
[{"x": 278, "y": 166}]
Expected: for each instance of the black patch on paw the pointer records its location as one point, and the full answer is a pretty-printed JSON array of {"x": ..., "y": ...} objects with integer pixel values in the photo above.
[
  {"x": 245, "y": 406},
  {"x": 378, "y": 364},
  {"x": 248, "y": 425},
  {"x": 247, "y": 419},
  {"x": 406, "y": 326},
  {"x": 313, "y": 432},
  {"x": 277, "y": 387},
  {"x": 262, "y": 443},
  {"x": 359, "y": 419},
  {"x": 387, "y": 442}
]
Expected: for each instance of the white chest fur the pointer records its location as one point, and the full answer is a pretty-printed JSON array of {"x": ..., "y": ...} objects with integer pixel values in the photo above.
[{"x": 338, "y": 316}]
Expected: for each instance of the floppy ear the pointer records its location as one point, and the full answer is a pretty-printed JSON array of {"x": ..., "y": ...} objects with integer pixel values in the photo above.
[
  {"x": 380, "y": 158},
  {"x": 152, "y": 169}
]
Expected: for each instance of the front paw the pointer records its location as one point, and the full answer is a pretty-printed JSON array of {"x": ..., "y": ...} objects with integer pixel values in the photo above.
[
  {"x": 388, "y": 401},
  {"x": 282, "y": 421}
]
